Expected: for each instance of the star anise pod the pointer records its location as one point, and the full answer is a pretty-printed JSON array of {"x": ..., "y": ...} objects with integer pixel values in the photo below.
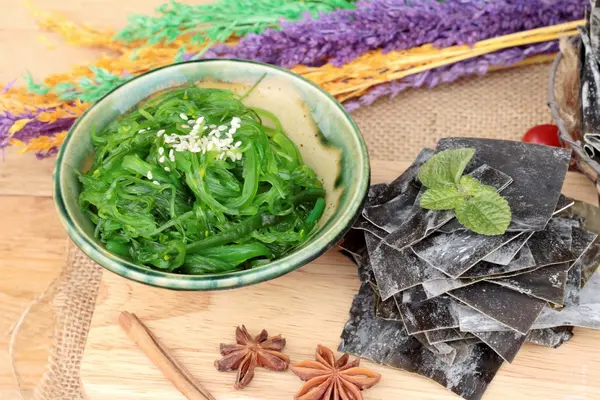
[
  {"x": 328, "y": 379},
  {"x": 248, "y": 353}
]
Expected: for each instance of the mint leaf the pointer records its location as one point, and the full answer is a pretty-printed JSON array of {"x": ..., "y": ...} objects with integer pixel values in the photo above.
[
  {"x": 441, "y": 198},
  {"x": 445, "y": 168},
  {"x": 487, "y": 213},
  {"x": 472, "y": 186}
]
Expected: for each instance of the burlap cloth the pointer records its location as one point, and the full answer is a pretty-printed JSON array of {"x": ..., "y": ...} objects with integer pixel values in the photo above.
[{"x": 500, "y": 105}]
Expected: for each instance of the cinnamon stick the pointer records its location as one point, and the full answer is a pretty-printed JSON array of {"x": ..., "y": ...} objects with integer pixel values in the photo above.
[{"x": 162, "y": 358}]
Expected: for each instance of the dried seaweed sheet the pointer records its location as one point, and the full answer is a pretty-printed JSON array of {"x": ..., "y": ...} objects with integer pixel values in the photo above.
[
  {"x": 445, "y": 353},
  {"x": 470, "y": 320},
  {"x": 395, "y": 270},
  {"x": 445, "y": 335},
  {"x": 423, "y": 222},
  {"x": 387, "y": 309},
  {"x": 585, "y": 315},
  {"x": 589, "y": 89},
  {"x": 563, "y": 203},
  {"x": 388, "y": 208},
  {"x": 388, "y": 343},
  {"x": 564, "y": 228},
  {"x": 581, "y": 242},
  {"x": 590, "y": 260},
  {"x": 354, "y": 242},
  {"x": 548, "y": 248},
  {"x": 437, "y": 287},
  {"x": 365, "y": 272},
  {"x": 573, "y": 285},
  {"x": 455, "y": 253},
  {"x": 390, "y": 215},
  {"x": 515, "y": 310},
  {"x": 505, "y": 254},
  {"x": 546, "y": 283},
  {"x": 594, "y": 24},
  {"x": 550, "y": 337},
  {"x": 506, "y": 344},
  {"x": 530, "y": 210},
  {"x": 428, "y": 315},
  {"x": 400, "y": 184},
  {"x": 375, "y": 192},
  {"x": 451, "y": 227},
  {"x": 522, "y": 261},
  {"x": 365, "y": 225}
]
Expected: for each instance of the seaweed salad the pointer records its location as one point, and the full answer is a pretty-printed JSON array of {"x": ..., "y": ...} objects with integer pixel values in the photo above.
[{"x": 194, "y": 182}]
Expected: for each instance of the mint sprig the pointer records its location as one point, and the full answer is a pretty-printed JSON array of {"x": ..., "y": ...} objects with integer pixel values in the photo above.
[{"x": 478, "y": 207}]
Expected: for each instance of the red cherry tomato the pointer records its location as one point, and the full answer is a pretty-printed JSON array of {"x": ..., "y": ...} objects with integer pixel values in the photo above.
[{"x": 543, "y": 134}]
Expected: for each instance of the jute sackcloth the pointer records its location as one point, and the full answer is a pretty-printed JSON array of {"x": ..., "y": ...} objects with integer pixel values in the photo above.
[{"x": 499, "y": 105}]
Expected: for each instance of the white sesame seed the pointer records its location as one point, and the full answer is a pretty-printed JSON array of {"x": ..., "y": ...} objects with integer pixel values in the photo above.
[
  {"x": 212, "y": 126},
  {"x": 161, "y": 151},
  {"x": 185, "y": 126},
  {"x": 231, "y": 131},
  {"x": 238, "y": 143},
  {"x": 238, "y": 156},
  {"x": 167, "y": 169},
  {"x": 160, "y": 133},
  {"x": 156, "y": 183},
  {"x": 161, "y": 159},
  {"x": 183, "y": 116},
  {"x": 149, "y": 175},
  {"x": 170, "y": 153},
  {"x": 222, "y": 128},
  {"x": 205, "y": 128},
  {"x": 141, "y": 131}
]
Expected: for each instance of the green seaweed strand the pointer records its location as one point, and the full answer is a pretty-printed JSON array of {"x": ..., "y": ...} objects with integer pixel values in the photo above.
[{"x": 160, "y": 202}]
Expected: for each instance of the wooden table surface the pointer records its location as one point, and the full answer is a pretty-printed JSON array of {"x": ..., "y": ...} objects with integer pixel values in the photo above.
[{"x": 32, "y": 241}]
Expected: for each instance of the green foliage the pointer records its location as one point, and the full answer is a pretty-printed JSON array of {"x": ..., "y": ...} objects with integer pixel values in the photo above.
[
  {"x": 220, "y": 20},
  {"x": 478, "y": 207}
]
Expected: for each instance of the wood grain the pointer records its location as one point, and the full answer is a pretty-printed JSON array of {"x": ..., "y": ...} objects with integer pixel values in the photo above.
[{"x": 309, "y": 307}]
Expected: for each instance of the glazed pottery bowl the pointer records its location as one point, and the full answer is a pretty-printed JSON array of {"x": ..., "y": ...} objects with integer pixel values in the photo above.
[{"x": 326, "y": 136}]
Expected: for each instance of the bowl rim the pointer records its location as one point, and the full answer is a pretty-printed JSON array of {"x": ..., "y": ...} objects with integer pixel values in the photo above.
[{"x": 236, "y": 279}]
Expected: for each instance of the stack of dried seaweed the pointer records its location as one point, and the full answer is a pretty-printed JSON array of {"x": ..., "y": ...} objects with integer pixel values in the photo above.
[{"x": 447, "y": 303}]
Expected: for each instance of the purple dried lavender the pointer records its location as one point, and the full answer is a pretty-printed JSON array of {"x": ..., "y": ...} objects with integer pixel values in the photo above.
[
  {"x": 450, "y": 73},
  {"x": 31, "y": 130},
  {"x": 341, "y": 36}
]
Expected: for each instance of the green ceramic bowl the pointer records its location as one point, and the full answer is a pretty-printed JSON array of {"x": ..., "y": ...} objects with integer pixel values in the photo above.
[{"x": 325, "y": 134}]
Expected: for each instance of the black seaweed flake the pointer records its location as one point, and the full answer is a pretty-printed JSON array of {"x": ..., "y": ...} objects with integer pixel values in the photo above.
[
  {"x": 548, "y": 248},
  {"x": 586, "y": 314},
  {"x": 546, "y": 283},
  {"x": 388, "y": 343},
  {"x": 395, "y": 270},
  {"x": 455, "y": 253},
  {"x": 563, "y": 203},
  {"x": 437, "y": 287},
  {"x": 421, "y": 223},
  {"x": 550, "y": 337},
  {"x": 400, "y": 184},
  {"x": 354, "y": 242},
  {"x": 446, "y": 335},
  {"x": 428, "y": 315},
  {"x": 515, "y": 310},
  {"x": 535, "y": 169},
  {"x": 505, "y": 254},
  {"x": 387, "y": 309},
  {"x": 506, "y": 344},
  {"x": 522, "y": 261}
]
